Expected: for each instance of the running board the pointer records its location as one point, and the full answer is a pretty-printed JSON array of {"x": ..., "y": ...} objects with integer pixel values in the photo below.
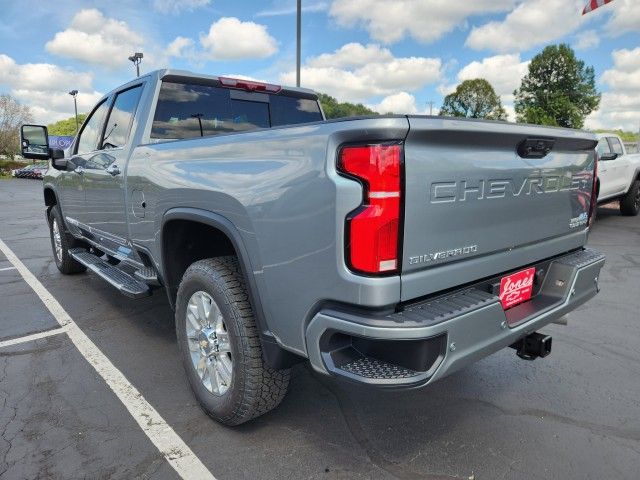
[{"x": 125, "y": 283}]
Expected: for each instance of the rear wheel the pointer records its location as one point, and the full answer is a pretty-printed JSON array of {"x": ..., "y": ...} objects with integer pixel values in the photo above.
[
  {"x": 61, "y": 242},
  {"x": 630, "y": 203},
  {"x": 220, "y": 344}
]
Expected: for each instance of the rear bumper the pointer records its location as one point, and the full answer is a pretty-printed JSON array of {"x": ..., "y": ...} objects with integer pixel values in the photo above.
[{"x": 430, "y": 339}]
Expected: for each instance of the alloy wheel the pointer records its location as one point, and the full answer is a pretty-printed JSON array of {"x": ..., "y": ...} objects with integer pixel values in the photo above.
[{"x": 208, "y": 342}]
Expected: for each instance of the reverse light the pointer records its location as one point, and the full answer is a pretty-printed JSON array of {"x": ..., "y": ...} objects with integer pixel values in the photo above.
[
  {"x": 248, "y": 85},
  {"x": 373, "y": 229}
]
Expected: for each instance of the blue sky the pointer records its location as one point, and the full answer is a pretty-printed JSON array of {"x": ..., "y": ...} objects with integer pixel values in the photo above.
[{"x": 393, "y": 55}]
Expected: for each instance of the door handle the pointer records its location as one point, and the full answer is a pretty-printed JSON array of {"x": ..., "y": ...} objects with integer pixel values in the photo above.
[{"x": 113, "y": 170}]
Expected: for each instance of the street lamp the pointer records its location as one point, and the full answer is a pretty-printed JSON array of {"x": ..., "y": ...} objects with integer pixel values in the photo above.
[
  {"x": 136, "y": 58},
  {"x": 74, "y": 94},
  {"x": 298, "y": 35}
]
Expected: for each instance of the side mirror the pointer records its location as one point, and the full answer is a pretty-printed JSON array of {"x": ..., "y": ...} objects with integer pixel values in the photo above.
[
  {"x": 34, "y": 142},
  {"x": 58, "y": 160},
  {"x": 609, "y": 156}
]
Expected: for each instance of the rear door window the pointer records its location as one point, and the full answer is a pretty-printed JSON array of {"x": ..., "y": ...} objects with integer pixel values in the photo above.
[
  {"x": 120, "y": 119},
  {"x": 191, "y": 110}
]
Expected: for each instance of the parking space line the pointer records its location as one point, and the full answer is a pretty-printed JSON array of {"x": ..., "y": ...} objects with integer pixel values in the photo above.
[
  {"x": 172, "y": 447},
  {"x": 7, "y": 268},
  {"x": 33, "y": 336}
]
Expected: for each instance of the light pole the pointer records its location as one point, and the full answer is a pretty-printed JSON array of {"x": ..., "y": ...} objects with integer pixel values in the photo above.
[
  {"x": 74, "y": 94},
  {"x": 136, "y": 58},
  {"x": 298, "y": 35}
]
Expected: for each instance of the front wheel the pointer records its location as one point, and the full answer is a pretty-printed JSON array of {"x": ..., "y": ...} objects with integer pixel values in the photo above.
[
  {"x": 630, "y": 203},
  {"x": 61, "y": 242},
  {"x": 220, "y": 344}
]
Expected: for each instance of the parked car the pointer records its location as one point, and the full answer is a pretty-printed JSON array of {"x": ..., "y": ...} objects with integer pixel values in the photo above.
[
  {"x": 618, "y": 174},
  {"x": 388, "y": 251},
  {"x": 35, "y": 171}
]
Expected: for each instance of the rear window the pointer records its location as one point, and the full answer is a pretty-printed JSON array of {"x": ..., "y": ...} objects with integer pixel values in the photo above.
[{"x": 190, "y": 111}]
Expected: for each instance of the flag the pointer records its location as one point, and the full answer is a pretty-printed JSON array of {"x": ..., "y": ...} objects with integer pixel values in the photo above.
[{"x": 593, "y": 4}]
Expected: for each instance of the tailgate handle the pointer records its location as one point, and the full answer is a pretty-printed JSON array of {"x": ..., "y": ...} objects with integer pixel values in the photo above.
[{"x": 535, "y": 147}]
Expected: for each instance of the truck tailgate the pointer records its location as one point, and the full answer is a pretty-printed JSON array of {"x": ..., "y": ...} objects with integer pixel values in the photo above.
[{"x": 477, "y": 204}]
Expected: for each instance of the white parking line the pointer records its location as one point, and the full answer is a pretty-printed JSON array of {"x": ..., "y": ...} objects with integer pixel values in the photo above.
[
  {"x": 7, "y": 268},
  {"x": 172, "y": 447},
  {"x": 33, "y": 336}
]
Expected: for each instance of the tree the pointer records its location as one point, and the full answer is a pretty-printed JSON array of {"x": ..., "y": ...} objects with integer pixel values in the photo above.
[
  {"x": 12, "y": 115},
  {"x": 66, "y": 127},
  {"x": 558, "y": 89},
  {"x": 474, "y": 99},
  {"x": 334, "y": 109}
]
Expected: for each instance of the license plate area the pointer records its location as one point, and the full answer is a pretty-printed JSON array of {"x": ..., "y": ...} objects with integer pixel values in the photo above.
[{"x": 516, "y": 288}]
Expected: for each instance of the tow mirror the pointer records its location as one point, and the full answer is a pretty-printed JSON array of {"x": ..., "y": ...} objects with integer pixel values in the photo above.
[
  {"x": 608, "y": 156},
  {"x": 34, "y": 142}
]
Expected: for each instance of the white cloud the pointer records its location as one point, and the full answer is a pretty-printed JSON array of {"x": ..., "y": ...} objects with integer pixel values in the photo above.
[
  {"x": 49, "y": 107},
  {"x": 362, "y": 78},
  {"x": 352, "y": 55},
  {"x": 41, "y": 76},
  {"x": 399, "y": 103},
  {"x": 586, "y": 40},
  {"x": 93, "y": 38},
  {"x": 177, "y": 6},
  {"x": 44, "y": 88},
  {"x": 625, "y": 17},
  {"x": 424, "y": 20},
  {"x": 179, "y": 47},
  {"x": 620, "y": 106},
  {"x": 530, "y": 24},
  {"x": 503, "y": 72},
  {"x": 231, "y": 39}
]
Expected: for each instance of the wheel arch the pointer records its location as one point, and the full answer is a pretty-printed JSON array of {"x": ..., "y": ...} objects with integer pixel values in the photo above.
[{"x": 276, "y": 356}]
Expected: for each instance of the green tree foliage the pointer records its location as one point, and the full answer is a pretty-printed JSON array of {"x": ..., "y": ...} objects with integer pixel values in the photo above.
[
  {"x": 12, "y": 115},
  {"x": 558, "y": 90},
  {"x": 334, "y": 109},
  {"x": 66, "y": 127},
  {"x": 474, "y": 99}
]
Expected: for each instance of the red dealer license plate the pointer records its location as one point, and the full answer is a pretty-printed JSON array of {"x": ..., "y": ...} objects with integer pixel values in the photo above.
[{"x": 516, "y": 288}]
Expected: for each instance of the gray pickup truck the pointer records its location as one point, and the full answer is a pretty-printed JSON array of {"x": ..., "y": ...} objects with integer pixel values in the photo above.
[{"x": 387, "y": 251}]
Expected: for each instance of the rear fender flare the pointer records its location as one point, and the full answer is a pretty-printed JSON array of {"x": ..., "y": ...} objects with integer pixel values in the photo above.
[{"x": 275, "y": 354}]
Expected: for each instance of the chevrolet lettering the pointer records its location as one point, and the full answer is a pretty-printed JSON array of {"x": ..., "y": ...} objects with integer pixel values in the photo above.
[{"x": 465, "y": 190}]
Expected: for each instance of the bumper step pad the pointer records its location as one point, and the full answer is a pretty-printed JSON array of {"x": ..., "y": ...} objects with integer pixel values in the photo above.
[
  {"x": 125, "y": 283},
  {"x": 371, "y": 368}
]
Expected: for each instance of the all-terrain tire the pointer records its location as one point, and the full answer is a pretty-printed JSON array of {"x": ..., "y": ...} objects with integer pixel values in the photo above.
[
  {"x": 64, "y": 241},
  {"x": 630, "y": 203},
  {"x": 255, "y": 388}
]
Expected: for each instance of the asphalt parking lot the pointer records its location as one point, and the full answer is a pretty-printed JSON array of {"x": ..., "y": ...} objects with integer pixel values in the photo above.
[{"x": 575, "y": 414}]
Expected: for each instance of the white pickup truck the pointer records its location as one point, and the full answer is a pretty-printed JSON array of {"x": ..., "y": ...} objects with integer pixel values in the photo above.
[{"x": 618, "y": 174}]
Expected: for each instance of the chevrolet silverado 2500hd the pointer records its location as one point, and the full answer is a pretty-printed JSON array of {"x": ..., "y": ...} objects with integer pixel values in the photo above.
[
  {"x": 388, "y": 251},
  {"x": 618, "y": 174}
]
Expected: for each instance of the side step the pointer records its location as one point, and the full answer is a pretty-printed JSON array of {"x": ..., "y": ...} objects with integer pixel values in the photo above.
[
  {"x": 120, "y": 279},
  {"x": 147, "y": 275}
]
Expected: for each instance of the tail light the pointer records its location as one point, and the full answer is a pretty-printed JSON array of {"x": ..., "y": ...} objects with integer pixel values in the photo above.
[
  {"x": 373, "y": 229},
  {"x": 594, "y": 189}
]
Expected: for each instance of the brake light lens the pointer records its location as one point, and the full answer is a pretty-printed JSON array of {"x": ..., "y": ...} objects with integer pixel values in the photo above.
[
  {"x": 248, "y": 85},
  {"x": 594, "y": 190},
  {"x": 373, "y": 229}
]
